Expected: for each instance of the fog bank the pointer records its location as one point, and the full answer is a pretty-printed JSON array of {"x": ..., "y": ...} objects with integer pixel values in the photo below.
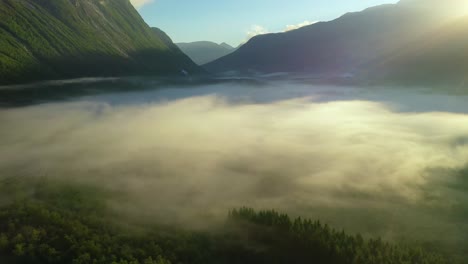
[{"x": 357, "y": 164}]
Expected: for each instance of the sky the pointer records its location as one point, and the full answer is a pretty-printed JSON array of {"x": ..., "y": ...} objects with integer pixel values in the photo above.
[{"x": 235, "y": 21}]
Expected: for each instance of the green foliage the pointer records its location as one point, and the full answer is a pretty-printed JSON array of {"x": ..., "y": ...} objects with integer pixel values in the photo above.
[
  {"x": 63, "y": 223},
  {"x": 64, "y": 39},
  {"x": 283, "y": 240}
]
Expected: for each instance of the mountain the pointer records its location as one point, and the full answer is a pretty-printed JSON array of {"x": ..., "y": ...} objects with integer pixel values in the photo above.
[
  {"x": 202, "y": 52},
  {"x": 57, "y": 39},
  {"x": 337, "y": 47},
  {"x": 226, "y": 46},
  {"x": 439, "y": 57}
]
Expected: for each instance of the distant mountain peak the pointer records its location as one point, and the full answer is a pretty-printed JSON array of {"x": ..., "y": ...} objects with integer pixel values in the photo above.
[
  {"x": 225, "y": 45},
  {"x": 202, "y": 52}
]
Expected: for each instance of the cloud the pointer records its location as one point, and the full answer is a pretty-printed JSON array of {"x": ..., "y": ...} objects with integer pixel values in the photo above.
[
  {"x": 256, "y": 30},
  {"x": 139, "y": 3},
  {"x": 302, "y": 24}
]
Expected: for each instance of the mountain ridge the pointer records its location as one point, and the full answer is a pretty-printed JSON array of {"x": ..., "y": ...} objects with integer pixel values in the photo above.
[
  {"x": 343, "y": 46},
  {"x": 439, "y": 57},
  {"x": 59, "y": 39},
  {"x": 202, "y": 52}
]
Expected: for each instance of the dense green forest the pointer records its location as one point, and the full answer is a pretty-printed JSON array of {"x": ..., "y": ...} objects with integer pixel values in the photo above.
[
  {"x": 65, "y": 223},
  {"x": 56, "y": 39}
]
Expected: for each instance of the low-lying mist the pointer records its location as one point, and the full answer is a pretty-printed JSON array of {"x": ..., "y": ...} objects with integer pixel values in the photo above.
[{"x": 356, "y": 164}]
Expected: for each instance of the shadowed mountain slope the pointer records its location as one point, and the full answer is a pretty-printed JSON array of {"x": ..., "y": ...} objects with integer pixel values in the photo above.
[{"x": 344, "y": 46}]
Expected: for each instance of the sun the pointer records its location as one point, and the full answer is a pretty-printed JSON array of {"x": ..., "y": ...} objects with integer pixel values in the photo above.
[{"x": 451, "y": 8}]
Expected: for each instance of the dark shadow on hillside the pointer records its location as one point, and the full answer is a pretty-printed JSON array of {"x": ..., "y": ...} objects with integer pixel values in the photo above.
[
  {"x": 148, "y": 62},
  {"x": 62, "y": 90}
]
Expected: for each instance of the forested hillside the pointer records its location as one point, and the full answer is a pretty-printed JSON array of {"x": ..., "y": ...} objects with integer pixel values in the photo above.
[
  {"x": 65, "y": 223},
  {"x": 56, "y": 39}
]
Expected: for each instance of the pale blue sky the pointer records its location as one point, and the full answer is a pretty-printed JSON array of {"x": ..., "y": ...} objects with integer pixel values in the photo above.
[{"x": 231, "y": 20}]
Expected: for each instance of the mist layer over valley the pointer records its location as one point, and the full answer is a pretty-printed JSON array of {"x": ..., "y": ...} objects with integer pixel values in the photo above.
[
  {"x": 378, "y": 161},
  {"x": 333, "y": 133}
]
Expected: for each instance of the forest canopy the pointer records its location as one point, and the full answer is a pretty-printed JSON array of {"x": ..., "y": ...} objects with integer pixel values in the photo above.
[{"x": 65, "y": 223}]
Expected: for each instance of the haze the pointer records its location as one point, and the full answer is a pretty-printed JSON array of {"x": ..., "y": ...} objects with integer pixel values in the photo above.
[{"x": 382, "y": 166}]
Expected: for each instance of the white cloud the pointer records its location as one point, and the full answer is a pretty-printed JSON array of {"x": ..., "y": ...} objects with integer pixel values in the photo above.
[
  {"x": 256, "y": 30},
  {"x": 302, "y": 24},
  {"x": 140, "y": 3}
]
